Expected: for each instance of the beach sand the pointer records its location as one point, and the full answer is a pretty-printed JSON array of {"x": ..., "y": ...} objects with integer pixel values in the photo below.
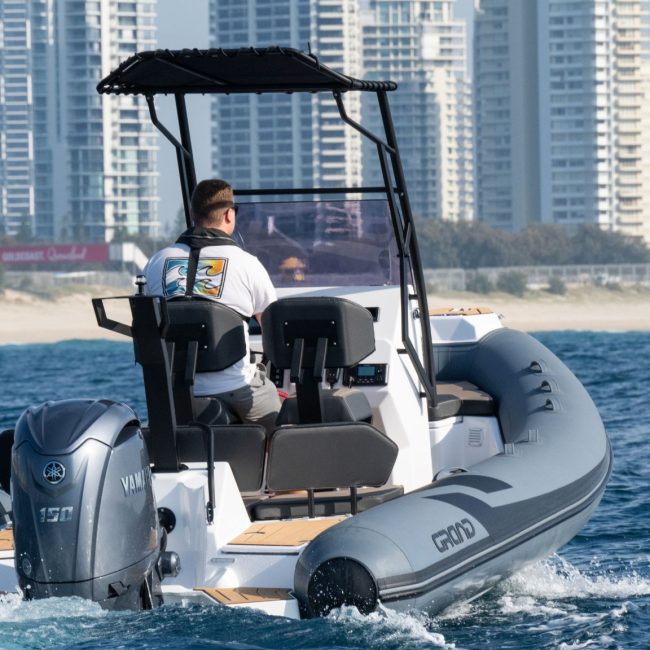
[
  {"x": 26, "y": 318},
  {"x": 587, "y": 308}
]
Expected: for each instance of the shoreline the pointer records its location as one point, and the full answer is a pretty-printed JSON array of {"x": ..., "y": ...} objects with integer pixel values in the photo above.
[
  {"x": 26, "y": 318},
  {"x": 584, "y": 309}
]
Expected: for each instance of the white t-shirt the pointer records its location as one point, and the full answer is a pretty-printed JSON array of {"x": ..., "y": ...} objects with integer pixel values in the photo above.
[{"x": 226, "y": 274}]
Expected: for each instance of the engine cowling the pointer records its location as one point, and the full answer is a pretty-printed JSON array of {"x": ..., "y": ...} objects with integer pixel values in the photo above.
[{"x": 84, "y": 512}]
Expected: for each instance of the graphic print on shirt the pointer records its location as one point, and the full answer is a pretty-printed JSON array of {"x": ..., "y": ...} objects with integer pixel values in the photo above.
[{"x": 210, "y": 276}]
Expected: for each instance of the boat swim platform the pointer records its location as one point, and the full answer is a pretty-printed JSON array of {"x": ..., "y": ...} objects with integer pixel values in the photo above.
[
  {"x": 296, "y": 532},
  {"x": 245, "y": 595}
]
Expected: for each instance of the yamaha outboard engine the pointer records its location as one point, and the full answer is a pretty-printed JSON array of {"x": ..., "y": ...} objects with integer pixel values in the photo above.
[{"x": 85, "y": 519}]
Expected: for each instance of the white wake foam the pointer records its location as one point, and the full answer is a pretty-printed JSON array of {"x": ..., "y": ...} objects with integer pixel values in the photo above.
[
  {"x": 388, "y": 626},
  {"x": 14, "y": 609},
  {"x": 553, "y": 589},
  {"x": 556, "y": 578}
]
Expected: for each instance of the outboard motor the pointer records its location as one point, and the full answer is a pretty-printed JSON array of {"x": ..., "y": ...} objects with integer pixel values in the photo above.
[{"x": 84, "y": 513}]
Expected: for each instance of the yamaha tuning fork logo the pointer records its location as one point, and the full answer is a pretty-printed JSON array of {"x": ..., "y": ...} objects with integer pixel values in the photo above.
[{"x": 54, "y": 472}]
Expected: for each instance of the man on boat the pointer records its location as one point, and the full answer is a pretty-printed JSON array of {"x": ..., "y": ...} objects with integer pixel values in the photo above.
[{"x": 206, "y": 261}]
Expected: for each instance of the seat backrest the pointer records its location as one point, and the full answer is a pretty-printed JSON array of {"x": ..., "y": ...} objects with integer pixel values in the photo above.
[
  {"x": 218, "y": 330},
  {"x": 309, "y": 334},
  {"x": 350, "y": 454},
  {"x": 242, "y": 446},
  {"x": 347, "y": 326},
  {"x": 207, "y": 337}
]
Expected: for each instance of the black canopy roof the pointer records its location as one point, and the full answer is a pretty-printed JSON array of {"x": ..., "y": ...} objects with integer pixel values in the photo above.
[{"x": 273, "y": 69}]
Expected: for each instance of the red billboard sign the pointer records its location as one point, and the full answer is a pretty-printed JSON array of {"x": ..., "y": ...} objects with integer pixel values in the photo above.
[{"x": 54, "y": 254}]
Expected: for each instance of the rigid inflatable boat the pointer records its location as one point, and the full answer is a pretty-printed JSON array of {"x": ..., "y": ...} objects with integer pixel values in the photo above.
[{"x": 419, "y": 458}]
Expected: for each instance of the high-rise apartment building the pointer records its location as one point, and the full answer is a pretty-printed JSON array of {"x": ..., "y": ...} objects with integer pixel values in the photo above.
[
  {"x": 562, "y": 115},
  {"x": 74, "y": 164},
  {"x": 544, "y": 112},
  {"x": 421, "y": 46},
  {"x": 16, "y": 118},
  {"x": 645, "y": 110},
  {"x": 506, "y": 113},
  {"x": 278, "y": 140},
  {"x": 576, "y": 99},
  {"x": 632, "y": 91}
]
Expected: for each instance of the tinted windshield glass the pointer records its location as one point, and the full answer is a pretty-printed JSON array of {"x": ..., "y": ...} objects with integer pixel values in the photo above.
[{"x": 321, "y": 243}]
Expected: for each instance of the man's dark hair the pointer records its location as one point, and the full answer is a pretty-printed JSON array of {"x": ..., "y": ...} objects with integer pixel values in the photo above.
[{"x": 210, "y": 200}]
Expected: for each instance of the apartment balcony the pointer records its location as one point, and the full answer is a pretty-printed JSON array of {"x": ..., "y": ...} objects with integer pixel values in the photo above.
[
  {"x": 632, "y": 206},
  {"x": 631, "y": 131},
  {"x": 629, "y": 182},
  {"x": 628, "y": 166},
  {"x": 629, "y": 110},
  {"x": 629, "y": 200},
  {"x": 629, "y": 195},
  {"x": 630, "y": 141}
]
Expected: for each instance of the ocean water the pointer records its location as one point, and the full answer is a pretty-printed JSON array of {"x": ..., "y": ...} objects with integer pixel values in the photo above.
[{"x": 595, "y": 593}]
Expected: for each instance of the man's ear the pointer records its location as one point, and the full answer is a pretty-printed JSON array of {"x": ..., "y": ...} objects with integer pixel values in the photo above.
[{"x": 229, "y": 216}]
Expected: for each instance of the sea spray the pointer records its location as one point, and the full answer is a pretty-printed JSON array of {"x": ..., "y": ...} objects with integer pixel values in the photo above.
[{"x": 389, "y": 627}]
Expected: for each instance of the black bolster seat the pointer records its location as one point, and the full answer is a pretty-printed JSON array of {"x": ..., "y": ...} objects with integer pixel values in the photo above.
[
  {"x": 309, "y": 334},
  {"x": 345, "y": 454},
  {"x": 343, "y": 466},
  {"x": 203, "y": 336},
  {"x": 243, "y": 446}
]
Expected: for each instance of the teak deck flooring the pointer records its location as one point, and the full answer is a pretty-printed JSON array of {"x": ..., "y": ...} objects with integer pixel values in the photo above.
[
  {"x": 459, "y": 311},
  {"x": 284, "y": 533},
  {"x": 7, "y": 540},
  {"x": 243, "y": 595}
]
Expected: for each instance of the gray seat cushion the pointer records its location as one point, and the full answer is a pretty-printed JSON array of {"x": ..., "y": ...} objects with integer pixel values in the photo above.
[
  {"x": 243, "y": 446},
  {"x": 340, "y": 405},
  {"x": 475, "y": 401},
  {"x": 321, "y": 456}
]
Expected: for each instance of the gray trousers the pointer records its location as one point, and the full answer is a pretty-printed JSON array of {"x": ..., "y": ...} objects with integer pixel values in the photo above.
[{"x": 257, "y": 403}]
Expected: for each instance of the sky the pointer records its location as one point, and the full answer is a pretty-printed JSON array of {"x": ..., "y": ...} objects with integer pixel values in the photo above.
[
  {"x": 185, "y": 25},
  {"x": 181, "y": 25}
]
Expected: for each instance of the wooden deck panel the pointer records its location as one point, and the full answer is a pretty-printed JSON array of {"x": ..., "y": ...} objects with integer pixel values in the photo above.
[
  {"x": 7, "y": 540},
  {"x": 459, "y": 311},
  {"x": 284, "y": 533},
  {"x": 244, "y": 595}
]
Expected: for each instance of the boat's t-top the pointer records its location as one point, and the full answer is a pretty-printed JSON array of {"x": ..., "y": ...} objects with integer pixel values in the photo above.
[{"x": 378, "y": 255}]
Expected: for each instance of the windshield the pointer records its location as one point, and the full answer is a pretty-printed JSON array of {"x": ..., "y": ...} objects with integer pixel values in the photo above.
[{"x": 324, "y": 243}]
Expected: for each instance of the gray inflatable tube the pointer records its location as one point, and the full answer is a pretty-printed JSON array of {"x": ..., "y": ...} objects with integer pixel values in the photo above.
[{"x": 457, "y": 537}]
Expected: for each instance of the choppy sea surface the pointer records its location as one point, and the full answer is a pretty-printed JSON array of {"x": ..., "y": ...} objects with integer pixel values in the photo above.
[{"x": 595, "y": 593}]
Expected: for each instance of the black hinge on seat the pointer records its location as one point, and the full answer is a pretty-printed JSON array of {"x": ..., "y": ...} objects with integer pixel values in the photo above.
[
  {"x": 296, "y": 360},
  {"x": 354, "y": 500},
  {"x": 319, "y": 359},
  {"x": 311, "y": 505},
  {"x": 190, "y": 362}
]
